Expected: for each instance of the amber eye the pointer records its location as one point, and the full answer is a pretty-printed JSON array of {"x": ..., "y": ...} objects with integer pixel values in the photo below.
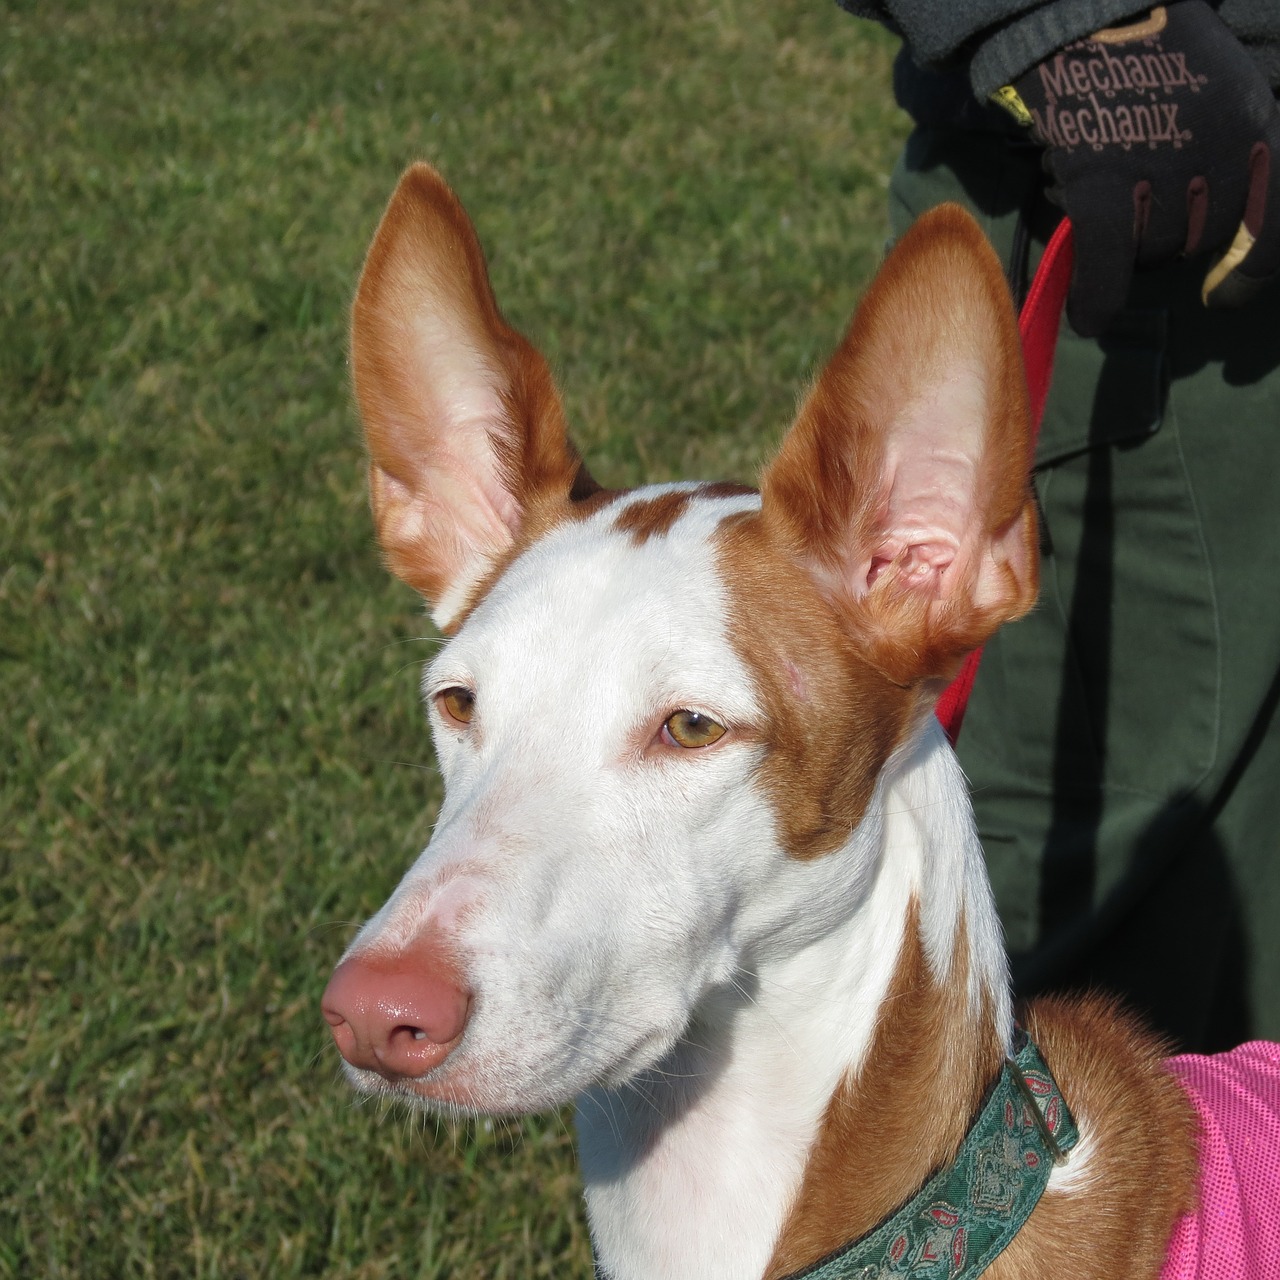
[
  {"x": 693, "y": 729},
  {"x": 458, "y": 703}
]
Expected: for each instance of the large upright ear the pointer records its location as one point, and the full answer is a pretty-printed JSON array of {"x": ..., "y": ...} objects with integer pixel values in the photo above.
[
  {"x": 463, "y": 423},
  {"x": 903, "y": 486}
]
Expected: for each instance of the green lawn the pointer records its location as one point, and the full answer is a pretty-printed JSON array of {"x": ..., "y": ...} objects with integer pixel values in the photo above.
[{"x": 212, "y": 762}]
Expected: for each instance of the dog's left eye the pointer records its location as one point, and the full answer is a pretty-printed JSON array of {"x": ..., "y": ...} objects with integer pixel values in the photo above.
[
  {"x": 692, "y": 729},
  {"x": 457, "y": 703}
]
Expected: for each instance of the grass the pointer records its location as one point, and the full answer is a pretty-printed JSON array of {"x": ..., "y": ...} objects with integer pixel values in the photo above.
[{"x": 212, "y": 762}]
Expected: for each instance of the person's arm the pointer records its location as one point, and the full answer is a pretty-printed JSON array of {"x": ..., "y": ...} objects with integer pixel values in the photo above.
[{"x": 996, "y": 39}]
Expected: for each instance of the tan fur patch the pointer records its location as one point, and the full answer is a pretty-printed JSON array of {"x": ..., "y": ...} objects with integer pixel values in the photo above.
[
  {"x": 831, "y": 719},
  {"x": 906, "y": 1113},
  {"x": 1142, "y": 1171},
  {"x": 652, "y": 517},
  {"x": 903, "y": 1116},
  {"x": 724, "y": 489}
]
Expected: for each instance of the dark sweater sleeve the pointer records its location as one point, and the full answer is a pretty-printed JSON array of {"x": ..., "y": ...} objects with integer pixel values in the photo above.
[
  {"x": 1256, "y": 24},
  {"x": 998, "y": 39}
]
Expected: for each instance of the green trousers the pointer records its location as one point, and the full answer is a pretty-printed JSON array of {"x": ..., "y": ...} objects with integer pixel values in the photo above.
[{"x": 1122, "y": 741}]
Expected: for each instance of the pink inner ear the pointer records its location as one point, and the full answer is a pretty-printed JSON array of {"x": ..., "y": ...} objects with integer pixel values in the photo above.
[
  {"x": 456, "y": 389},
  {"x": 902, "y": 487},
  {"x": 929, "y": 526}
]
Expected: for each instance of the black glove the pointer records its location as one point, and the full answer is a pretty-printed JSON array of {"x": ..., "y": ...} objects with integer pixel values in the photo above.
[{"x": 1163, "y": 139}]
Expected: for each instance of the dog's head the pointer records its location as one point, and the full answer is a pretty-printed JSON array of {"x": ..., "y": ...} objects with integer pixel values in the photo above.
[{"x": 661, "y": 714}]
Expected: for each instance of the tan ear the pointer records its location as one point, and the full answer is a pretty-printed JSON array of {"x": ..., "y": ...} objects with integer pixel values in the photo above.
[
  {"x": 903, "y": 484},
  {"x": 464, "y": 427}
]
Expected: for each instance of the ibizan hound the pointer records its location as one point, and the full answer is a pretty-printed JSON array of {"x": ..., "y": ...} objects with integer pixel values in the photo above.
[{"x": 705, "y": 862}]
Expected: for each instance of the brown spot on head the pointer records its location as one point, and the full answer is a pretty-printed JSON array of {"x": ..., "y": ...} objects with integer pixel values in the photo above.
[
  {"x": 654, "y": 517},
  {"x": 651, "y": 517}
]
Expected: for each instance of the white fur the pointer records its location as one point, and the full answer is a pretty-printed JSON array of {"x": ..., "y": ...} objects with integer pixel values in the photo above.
[{"x": 634, "y": 934}]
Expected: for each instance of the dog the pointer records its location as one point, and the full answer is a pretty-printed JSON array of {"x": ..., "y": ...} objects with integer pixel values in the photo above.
[{"x": 706, "y": 864}]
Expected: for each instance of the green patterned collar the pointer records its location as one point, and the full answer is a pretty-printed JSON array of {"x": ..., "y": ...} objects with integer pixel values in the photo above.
[{"x": 967, "y": 1213}]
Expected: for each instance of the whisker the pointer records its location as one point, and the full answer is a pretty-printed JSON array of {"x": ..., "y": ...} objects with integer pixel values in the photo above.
[{"x": 438, "y": 641}]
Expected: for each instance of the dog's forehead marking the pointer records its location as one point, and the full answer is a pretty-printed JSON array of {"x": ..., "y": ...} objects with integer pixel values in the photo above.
[{"x": 647, "y": 514}]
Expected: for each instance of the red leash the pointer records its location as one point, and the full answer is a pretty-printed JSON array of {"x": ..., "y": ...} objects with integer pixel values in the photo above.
[{"x": 1038, "y": 329}]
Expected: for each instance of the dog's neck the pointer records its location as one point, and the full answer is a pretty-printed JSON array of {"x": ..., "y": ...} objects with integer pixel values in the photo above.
[{"x": 823, "y": 1056}]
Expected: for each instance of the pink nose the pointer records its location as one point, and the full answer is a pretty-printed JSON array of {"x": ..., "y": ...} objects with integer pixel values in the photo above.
[{"x": 399, "y": 1015}]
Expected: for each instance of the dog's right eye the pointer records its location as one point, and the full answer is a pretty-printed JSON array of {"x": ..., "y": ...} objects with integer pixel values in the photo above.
[
  {"x": 457, "y": 703},
  {"x": 692, "y": 729}
]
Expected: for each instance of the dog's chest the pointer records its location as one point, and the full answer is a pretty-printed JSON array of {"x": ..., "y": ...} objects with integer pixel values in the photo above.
[
  {"x": 714, "y": 1142},
  {"x": 719, "y": 1180}
]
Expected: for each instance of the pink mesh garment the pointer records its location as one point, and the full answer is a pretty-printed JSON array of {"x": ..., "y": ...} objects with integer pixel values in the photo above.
[{"x": 1234, "y": 1234}]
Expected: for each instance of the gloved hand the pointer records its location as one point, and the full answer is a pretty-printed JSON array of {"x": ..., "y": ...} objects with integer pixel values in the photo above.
[{"x": 1163, "y": 139}]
